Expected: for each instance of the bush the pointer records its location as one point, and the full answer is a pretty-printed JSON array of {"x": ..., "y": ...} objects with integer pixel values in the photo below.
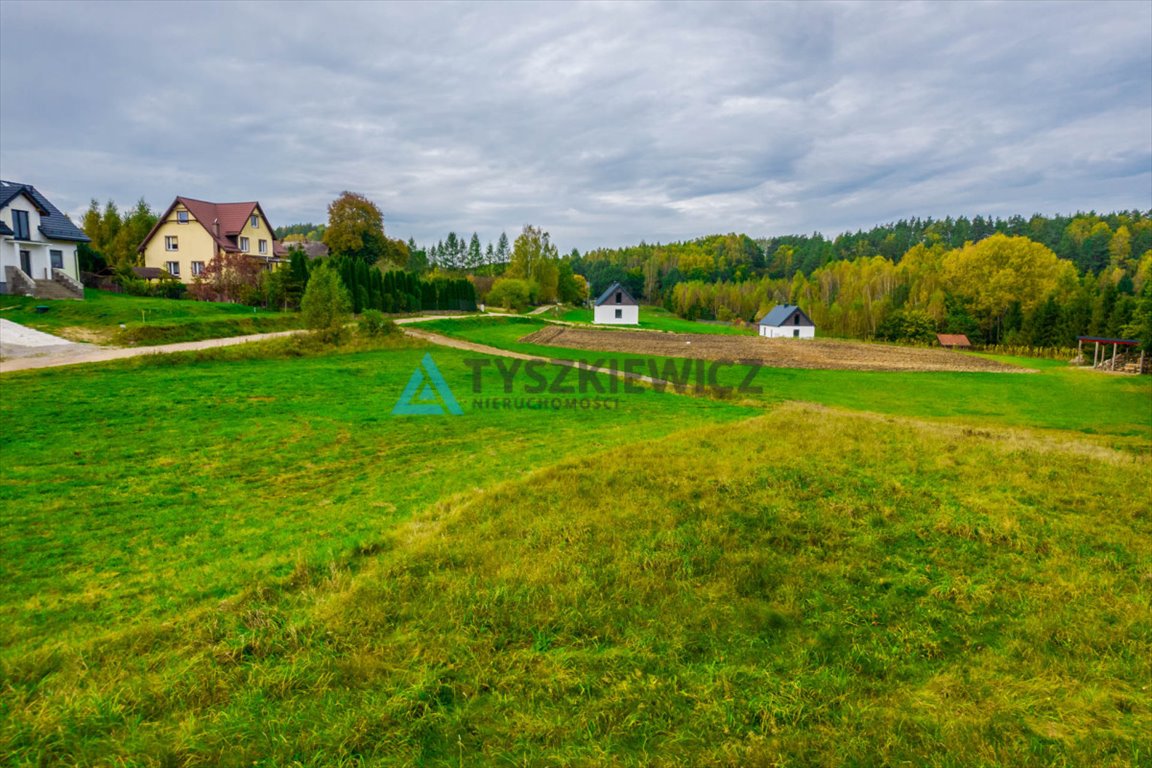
[
  {"x": 373, "y": 324},
  {"x": 511, "y": 293},
  {"x": 326, "y": 304}
]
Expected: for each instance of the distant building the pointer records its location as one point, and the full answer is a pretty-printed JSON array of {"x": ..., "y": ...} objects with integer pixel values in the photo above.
[
  {"x": 616, "y": 307},
  {"x": 313, "y": 249},
  {"x": 787, "y": 321},
  {"x": 38, "y": 245},
  {"x": 953, "y": 341},
  {"x": 191, "y": 233}
]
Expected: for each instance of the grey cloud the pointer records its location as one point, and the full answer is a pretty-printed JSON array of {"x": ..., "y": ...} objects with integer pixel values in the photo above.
[{"x": 603, "y": 123}]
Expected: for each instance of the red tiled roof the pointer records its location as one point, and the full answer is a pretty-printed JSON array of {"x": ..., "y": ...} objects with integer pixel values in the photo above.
[
  {"x": 953, "y": 340},
  {"x": 231, "y": 218}
]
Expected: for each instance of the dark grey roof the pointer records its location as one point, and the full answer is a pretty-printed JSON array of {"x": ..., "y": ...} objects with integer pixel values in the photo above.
[
  {"x": 4, "y": 229},
  {"x": 612, "y": 289},
  {"x": 780, "y": 314},
  {"x": 53, "y": 224},
  {"x": 150, "y": 273}
]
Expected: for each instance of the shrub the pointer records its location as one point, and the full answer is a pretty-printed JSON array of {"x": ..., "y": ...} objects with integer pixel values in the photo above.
[
  {"x": 511, "y": 293},
  {"x": 326, "y": 304},
  {"x": 373, "y": 323}
]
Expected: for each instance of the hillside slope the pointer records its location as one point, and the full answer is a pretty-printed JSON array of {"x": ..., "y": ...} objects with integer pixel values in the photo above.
[{"x": 806, "y": 588}]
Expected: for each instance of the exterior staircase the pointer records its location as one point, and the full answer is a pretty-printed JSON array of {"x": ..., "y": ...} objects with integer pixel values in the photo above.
[
  {"x": 60, "y": 286},
  {"x": 50, "y": 289}
]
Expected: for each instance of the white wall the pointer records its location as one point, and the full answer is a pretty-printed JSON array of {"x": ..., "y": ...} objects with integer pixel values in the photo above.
[
  {"x": 605, "y": 314},
  {"x": 788, "y": 331},
  {"x": 39, "y": 246}
]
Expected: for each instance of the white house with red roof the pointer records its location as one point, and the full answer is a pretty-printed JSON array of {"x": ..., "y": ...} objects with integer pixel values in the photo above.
[{"x": 191, "y": 233}]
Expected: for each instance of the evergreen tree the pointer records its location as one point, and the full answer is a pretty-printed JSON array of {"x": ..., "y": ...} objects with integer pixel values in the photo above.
[
  {"x": 475, "y": 256},
  {"x": 326, "y": 304}
]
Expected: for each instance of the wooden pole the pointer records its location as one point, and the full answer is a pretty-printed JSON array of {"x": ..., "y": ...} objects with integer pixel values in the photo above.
[
  {"x": 1096, "y": 354},
  {"x": 1141, "y": 369},
  {"x": 1114, "y": 347}
]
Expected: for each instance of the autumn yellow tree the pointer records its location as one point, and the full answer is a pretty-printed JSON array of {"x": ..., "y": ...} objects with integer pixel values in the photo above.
[{"x": 1001, "y": 270}]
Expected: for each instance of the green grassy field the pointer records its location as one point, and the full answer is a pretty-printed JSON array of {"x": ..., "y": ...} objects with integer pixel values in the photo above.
[
  {"x": 1058, "y": 397},
  {"x": 660, "y": 319},
  {"x": 229, "y": 559},
  {"x": 146, "y": 320}
]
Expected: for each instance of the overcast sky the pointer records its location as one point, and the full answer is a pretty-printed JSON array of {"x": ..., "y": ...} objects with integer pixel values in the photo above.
[{"x": 604, "y": 123}]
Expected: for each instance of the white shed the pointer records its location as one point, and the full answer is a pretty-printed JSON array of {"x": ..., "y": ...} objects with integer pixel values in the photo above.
[
  {"x": 787, "y": 321},
  {"x": 616, "y": 307}
]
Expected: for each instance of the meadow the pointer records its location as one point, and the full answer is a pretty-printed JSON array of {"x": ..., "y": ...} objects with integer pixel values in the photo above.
[
  {"x": 660, "y": 319},
  {"x": 244, "y": 558}
]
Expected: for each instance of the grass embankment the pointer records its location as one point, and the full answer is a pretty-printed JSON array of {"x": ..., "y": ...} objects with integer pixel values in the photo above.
[
  {"x": 660, "y": 319},
  {"x": 805, "y": 588},
  {"x": 97, "y": 319},
  {"x": 1058, "y": 397}
]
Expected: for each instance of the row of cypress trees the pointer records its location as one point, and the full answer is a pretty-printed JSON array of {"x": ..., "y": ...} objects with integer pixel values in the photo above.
[{"x": 400, "y": 291}]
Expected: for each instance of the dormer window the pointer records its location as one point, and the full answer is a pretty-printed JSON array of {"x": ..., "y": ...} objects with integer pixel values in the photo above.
[
  {"x": 244, "y": 244},
  {"x": 255, "y": 223},
  {"x": 181, "y": 217}
]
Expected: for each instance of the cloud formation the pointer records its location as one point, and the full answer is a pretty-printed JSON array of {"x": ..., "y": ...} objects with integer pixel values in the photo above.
[{"x": 603, "y": 123}]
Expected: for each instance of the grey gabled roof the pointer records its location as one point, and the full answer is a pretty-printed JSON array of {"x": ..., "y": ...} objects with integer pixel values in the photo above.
[
  {"x": 612, "y": 289},
  {"x": 781, "y": 312},
  {"x": 53, "y": 223}
]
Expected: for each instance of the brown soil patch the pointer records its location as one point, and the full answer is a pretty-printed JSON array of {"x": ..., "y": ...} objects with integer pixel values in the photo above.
[
  {"x": 86, "y": 335},
  {"x": 832, "y": 354}
]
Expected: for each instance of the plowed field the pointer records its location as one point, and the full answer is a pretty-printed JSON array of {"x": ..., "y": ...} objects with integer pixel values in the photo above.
[{"x": 832, "y": 354}]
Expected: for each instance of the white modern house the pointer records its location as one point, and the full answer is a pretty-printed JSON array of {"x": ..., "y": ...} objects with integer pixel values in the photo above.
[
  {"x": 616, "y": 307},
  {"x": 38, "y": 245},
  {"x": 787, "y": 321}
]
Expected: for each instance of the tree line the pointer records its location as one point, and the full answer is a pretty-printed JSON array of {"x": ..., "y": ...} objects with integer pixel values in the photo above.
[{"x": 1000, "y": 290}]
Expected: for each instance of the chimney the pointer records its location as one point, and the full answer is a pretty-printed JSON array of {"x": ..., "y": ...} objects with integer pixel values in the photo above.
[{"x": 216, "y": 227}]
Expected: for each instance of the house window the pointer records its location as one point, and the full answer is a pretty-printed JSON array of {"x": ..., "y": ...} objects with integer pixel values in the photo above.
[
  {"x": 182, "y": 217},
  {"x": 263, "y": 246},
  {"x": 57, "y": 259},
  {"x": 255, "y": 221},
  {"x": 619, "y": 297},
  {"x": 796, "y": 333},
  {"x": 244, "y": 244},
  {"x": 20, "y": 225},
  {"x": 796, "y": 318},
  {"x": 619, "y": 314},
  {"x": 170, "y": 244},
  {"x": 197, "y": 268},
  {"x": 173, "y": 268}
]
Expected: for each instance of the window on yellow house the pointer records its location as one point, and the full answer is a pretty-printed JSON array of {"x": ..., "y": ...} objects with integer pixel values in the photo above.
[{"x": 244, "y": 244}]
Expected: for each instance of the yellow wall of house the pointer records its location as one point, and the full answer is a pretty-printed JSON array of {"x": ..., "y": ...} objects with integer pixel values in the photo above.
[
  {"x": 193, "y": 242},
  {"x": 256, "y": 234}
]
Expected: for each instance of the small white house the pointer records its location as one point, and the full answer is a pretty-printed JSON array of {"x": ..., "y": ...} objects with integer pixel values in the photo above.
[
  {"x": 38, "y": 245},
  {"x": 616, "y": 307},
  {"x": 787, "y": 321}
]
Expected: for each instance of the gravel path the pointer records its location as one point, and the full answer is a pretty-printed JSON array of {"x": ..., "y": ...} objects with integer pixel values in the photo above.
[{"x": 52, "y": 356}]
